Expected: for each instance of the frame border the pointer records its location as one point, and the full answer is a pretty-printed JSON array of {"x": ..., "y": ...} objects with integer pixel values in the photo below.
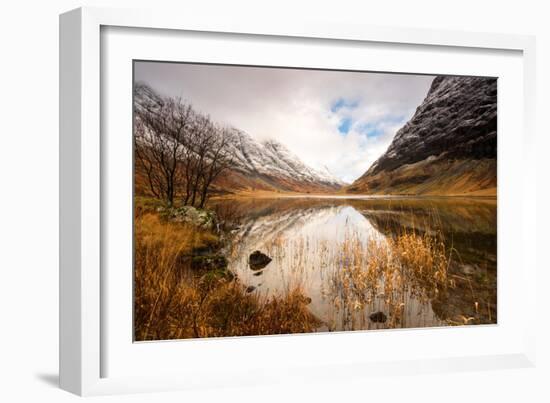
[{"x": 80, "y": 306}]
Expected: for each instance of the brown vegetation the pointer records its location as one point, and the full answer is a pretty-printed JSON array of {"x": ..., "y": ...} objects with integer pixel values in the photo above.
[
  {"x": 428, "y": 177},
  {"x": 172, "y": 301},
  {"x": 393, "y": 268},
  {"x": 233, "y": 181}
]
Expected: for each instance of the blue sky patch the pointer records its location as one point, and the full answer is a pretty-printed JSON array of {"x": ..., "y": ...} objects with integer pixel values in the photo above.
[
  {"x": 344, "y": 126},
  {"x": 371, "y": 130},
  {"x": 343, "y": 103},
  {"x": 375, "y": 129}
]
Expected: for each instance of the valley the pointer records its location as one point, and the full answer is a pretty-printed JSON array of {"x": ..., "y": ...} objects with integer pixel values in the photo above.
[{"x": 236, "y": 235}]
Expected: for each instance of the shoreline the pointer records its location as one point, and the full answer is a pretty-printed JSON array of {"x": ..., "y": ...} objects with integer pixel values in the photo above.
[{"x": 262, "y": 194}]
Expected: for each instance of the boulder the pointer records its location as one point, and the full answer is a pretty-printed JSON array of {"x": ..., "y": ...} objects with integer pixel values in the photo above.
[
  {"x": 378, "y": 317},
  {"x": 467, "y": 269},
  {"x": 258, "y": 260},
  {"x": 208, "y": 262},
  {"x": 214, "y": 276},
  {"x": 201, "y": 218}
]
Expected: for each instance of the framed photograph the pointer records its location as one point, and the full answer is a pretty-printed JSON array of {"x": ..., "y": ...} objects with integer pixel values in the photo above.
[{"x": 255, "y": 197}]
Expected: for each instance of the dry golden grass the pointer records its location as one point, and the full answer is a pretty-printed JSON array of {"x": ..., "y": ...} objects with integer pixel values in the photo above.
[
  {"x": 392, "y": 269},
  {"x": 439, "y": 177},
  {"x": 422, "y": 258},
  {"x": 173, "y": 302}
]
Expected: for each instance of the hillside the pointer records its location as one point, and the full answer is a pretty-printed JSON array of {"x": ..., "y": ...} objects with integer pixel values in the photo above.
[
  {"x": 449, "y": 146},
  {"x": 256, "y": 165},
  {"x": 269, "y": 165}
]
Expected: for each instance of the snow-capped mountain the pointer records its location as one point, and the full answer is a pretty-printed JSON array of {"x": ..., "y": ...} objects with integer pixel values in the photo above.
[
  {"x": 448, "y": 147},
  {"x": 267, "y": 165},
  {"x": 272, "y": 159}
]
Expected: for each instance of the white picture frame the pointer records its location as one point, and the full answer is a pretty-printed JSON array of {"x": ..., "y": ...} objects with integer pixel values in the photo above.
[{"x": 84, "y": 339}]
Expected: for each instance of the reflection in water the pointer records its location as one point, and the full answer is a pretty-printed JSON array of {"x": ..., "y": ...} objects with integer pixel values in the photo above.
[{"x": 315, "y": 243}]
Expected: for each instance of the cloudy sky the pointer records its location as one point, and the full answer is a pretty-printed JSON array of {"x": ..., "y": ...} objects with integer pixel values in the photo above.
[{"x": 341, "y": 120}]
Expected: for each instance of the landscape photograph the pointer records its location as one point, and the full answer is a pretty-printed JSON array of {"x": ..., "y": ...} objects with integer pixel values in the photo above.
[{"x": 277, "y": 200}]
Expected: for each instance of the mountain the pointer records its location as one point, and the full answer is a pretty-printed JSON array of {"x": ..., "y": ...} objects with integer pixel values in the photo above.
[
  {"x": 267, "y": 165},
  {"x": 449, "y": 147}
]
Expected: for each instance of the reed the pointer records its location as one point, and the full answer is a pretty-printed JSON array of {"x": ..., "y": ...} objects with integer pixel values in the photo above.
[
  {"x": 385, "y": 273},
  {"x": 171, "y": 301}
]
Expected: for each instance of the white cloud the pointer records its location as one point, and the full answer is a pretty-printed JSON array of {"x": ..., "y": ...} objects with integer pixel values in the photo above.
[{"x": 294, "y": 107}]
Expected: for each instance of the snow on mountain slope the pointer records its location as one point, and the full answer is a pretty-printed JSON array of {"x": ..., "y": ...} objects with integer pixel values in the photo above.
[
  {"x": 273, "y": 159},
  {"x": 267, "y": 165},
  {"x": 448, "y": 147}
]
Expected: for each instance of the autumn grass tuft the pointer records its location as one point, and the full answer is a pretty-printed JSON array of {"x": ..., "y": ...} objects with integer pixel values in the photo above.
[
  {"x": 390, "y": 269},
  {"x": 172, "y": 301}
]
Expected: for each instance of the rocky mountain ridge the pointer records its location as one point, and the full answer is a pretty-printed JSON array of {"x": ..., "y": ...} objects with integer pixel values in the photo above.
[{"x": 448, "y": 147}]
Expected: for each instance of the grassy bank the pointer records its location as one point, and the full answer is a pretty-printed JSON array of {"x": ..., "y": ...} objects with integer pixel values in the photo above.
[{"x": 173, "y": 300}]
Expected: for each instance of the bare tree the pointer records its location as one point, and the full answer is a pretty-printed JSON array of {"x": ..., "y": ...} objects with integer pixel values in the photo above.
[
  {"x": 210, "y": 157},
  {"x": 160, "y": 128},
  {"x": 218, "y": 159},
  {"x": 180, "y": 151}
]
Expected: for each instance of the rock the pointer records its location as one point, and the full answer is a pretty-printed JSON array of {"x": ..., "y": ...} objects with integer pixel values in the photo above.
[
  {"x": 306, "y": 300},
  {"x": 378, "y": 317},
  {"x": 258, "y": 260},
  {"x": 201, "y": 218},
  {"x": 208, "y": 262},
  {"x": 216, "y": 275},
  {"x": 203, "y": 250},
  {"x": 467, "y": 269}
]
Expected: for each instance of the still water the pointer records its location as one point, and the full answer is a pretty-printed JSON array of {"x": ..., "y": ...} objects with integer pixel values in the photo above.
[{"x": 309, "y": 238}]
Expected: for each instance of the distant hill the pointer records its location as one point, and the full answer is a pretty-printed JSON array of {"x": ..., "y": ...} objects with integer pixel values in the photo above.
[
  {"x": 256, "y": 165},
  {"x": 449, "y": 147},
  {"x": 269, "y": 165}
]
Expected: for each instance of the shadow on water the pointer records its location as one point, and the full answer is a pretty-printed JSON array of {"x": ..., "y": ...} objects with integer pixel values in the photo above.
[{"x": 305, "y": 238}]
